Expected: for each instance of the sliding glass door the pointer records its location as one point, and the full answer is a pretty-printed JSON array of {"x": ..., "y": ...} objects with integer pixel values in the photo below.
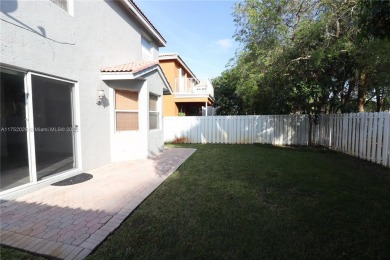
[
  {"x": 53, "y": 125},
  {"x": 14, "y": 164},
  {"x": 38, "y": 138}
]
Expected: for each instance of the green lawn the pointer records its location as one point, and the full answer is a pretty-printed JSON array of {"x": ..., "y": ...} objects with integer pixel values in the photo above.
[
  {"x": 256, "y": 201},
  {"x": 264, "y": 202},
  {"x": 8, "y": 253}
]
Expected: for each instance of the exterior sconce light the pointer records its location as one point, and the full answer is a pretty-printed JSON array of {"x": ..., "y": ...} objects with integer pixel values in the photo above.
[{"x": 100, "y": 97}]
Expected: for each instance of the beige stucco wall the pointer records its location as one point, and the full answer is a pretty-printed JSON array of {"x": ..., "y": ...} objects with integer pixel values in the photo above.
[
  {"x": 170, "y": 72},
  {"x": 170, "y": 107}
]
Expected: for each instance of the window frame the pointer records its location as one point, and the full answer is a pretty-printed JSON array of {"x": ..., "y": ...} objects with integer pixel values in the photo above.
[
  {"x": 146, "y": 49},
  {"x": 155, "y": 112},
  {"x": 125, "y": 111},
  {"x": 31, "y": 145}
]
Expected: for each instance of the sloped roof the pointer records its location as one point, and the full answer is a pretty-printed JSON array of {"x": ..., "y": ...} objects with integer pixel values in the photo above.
[
  {"x": 176, "y": 56},
  {"x": 133, "y": 70},
  {"x": 133, "y": 67},
  {"x": 141, "y": 17}
]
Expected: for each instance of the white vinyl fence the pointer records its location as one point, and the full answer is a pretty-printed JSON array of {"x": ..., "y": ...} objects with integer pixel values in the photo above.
[{"x": 364, "y": 135}]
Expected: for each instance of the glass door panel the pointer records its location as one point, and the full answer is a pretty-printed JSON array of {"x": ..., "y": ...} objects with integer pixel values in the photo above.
[
  {"x": 14, "y": 162},
  {"x": 53, "y": 125}
]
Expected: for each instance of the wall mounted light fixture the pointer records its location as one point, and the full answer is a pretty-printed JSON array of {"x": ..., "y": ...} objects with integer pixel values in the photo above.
[{"x": 100, "y": 97}]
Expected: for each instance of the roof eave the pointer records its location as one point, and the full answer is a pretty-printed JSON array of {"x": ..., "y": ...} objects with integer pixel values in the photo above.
[
  {"x": 181, "y": 61},
  {"x": 115, "y": 75},
  {"x": 142, "y": 19}
]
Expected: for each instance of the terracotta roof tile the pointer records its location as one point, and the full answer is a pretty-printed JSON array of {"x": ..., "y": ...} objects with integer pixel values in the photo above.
[{"x": 133, "y": 67}]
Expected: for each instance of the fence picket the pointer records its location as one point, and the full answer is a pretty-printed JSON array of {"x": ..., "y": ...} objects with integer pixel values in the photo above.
[
  {"x": 338, "y": 141},
  {"x": 366, "y": 136},
  {"x": 379, "y": 144},
  {"x": 330, "y": 130},
  {"x": 386, "y": 141},
  {"x": 345, "y": 133},
  {"x": 272, "y": 127},
  {"x": 374, "y": 138},
  {"x": 361, "y": 134},
  {"x": 355, "y": 132},
  {"x": 369, "y": 136},
  {"x": 349, "y": 134}
]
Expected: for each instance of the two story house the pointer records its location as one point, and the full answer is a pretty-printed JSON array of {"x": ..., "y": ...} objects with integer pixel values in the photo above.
[
  {"x": 190, "y": 96},
  {"x": 80, "y": 87}
]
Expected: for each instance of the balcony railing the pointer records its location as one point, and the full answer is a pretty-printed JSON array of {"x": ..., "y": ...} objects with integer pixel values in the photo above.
[{"x": 193, "y": 86}]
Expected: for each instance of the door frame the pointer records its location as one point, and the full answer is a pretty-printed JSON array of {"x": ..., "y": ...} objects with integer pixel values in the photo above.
[{"x": 30, "y": 130}]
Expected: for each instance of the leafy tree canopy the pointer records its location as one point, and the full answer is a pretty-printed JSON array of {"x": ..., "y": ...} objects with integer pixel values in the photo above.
[{"x": 309, "y": 56}]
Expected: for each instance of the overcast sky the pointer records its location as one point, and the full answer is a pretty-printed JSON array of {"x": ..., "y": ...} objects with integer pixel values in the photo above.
[{"x": 201, "y": 32}]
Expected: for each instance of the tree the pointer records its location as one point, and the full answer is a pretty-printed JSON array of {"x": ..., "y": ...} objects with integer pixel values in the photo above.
[
  {"x": 374, "y": 21},
  {"x": 375, "y": 18},
  {"x": 226, "y": 98},
  {"x": 311, "y": 56}
]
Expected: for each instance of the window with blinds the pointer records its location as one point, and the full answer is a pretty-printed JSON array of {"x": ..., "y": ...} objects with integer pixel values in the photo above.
[
  {"x": 126, "y": 110},
  {"x": 154, "y": 114}
]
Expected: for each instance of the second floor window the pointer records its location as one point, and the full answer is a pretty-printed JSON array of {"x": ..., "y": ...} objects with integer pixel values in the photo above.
[{"x": 146, "y": 49}]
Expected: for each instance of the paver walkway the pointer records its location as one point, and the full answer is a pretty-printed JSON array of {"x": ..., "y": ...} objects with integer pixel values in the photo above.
[{"x": 68, "y": 222}]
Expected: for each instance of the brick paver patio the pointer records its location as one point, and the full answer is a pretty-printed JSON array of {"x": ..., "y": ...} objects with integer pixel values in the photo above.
[{"x": 68, "y": 222}]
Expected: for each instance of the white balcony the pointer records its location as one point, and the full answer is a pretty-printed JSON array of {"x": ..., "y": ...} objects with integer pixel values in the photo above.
[{"x": 193, "y": 87}]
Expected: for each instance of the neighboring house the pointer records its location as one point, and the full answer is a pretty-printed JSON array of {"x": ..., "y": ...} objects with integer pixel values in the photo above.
[
  {"x": 190, "y": 96},
  {"x": 66, "y": 104}
]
